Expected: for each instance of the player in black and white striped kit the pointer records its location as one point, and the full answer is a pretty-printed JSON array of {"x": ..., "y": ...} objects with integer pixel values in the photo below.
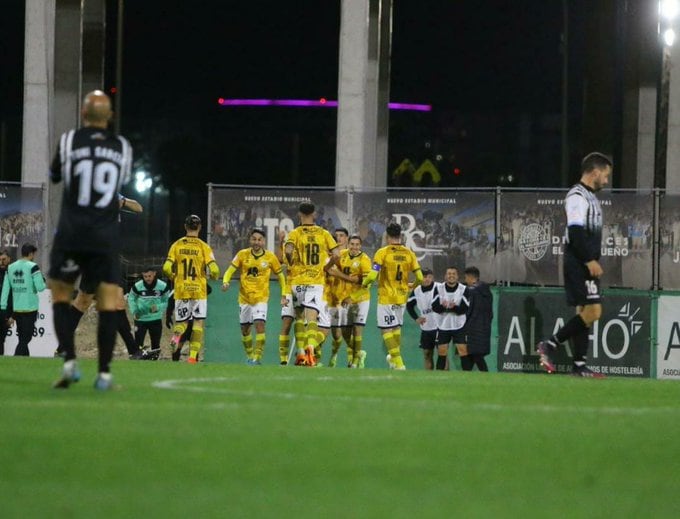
[
  {"x": 93, "y": 164},
  {"x": 452, "y": 303},
  {"x": 582, "y": 270},
  {"x": 419, "y": 307}
]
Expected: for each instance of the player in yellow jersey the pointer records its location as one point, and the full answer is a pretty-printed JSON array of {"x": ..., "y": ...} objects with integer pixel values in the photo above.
[
  {"x": 337, "y": 312},
  {"x": 355, "y": 300},
  {"x": 288, "y": 315},
  {"x": 256, "y": 265},
  {"x": 188, "y": 259},
  {"x": 391, "y": 267},
  {"x": 309, "y": 247}
]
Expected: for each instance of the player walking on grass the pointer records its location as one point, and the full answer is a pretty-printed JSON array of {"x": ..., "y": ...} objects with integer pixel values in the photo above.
[
  {"x": 188, "y": 260},
  {"x": 310, "y": 246},
  {"x": 256, "y": 265},
  {"x": 582, "y": 270},
  {"x": 391, "y": 267},
  {"x": 94, "y": 164}
]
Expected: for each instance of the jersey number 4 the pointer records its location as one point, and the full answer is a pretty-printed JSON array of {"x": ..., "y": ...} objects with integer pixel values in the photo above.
[{"x": 101, "y": 178}]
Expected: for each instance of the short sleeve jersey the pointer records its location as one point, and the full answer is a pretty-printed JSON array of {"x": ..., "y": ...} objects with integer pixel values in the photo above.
[
  {"x": 358, "y": 265},
  {"x": 394, "y": 262},
  {"x": 190, "y": 256},
  {"x": 583, "y": 209},
  {"x": 312, "y": 248},
  {"x": 94, "y": 164},
  {"x": 255, "y": 272}
]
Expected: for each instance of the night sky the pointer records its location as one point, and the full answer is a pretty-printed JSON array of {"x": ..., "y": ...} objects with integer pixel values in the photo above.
[{"x": 482, "y": 64}]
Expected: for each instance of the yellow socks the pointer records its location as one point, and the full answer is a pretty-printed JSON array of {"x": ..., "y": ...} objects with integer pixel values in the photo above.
[
  {"x": 247, "y": 341},
  {"x": 195, "y": 344},
  {"x": 392, "y": 346},
  {"x": 284, "y": 342},
  {"x": 259, "y": 345}
]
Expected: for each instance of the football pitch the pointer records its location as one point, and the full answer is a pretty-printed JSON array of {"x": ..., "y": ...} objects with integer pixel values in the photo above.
[{"x": 220, "y": 440}]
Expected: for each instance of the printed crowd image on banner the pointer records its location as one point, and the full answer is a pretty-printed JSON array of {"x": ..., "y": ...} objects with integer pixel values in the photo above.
[
  {"x": 444, "y": 229},
  {"x": 235, "y": 212},
  {"x": 21, "y": 220},
  {"x": 532, "y": 238},
  {"x": 669, "y": 242}
]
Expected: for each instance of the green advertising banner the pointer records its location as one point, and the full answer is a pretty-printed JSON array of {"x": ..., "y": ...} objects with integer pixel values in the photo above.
[{"x": 620, "y": 342}]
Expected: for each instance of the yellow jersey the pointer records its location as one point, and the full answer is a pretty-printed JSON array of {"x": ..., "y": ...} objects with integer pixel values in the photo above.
[
  {"x": 394, "y": 262},
  {"x": 358, "y": 265},
  {"x": 312, "y": 248},
  {"x": 255, "y": 274},
  {"x": 190, "y": 257},
  {"x": 292, "y": 271}
]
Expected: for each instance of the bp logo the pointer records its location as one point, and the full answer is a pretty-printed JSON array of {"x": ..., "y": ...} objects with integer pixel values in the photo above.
[{"x": 534, "y": 240}]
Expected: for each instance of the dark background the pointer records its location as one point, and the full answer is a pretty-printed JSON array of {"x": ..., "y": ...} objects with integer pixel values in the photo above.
[{"x": 491, "y": 69}]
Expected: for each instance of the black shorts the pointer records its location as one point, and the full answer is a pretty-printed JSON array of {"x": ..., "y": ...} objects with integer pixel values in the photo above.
[
  {"x": 581, "y": 288},
  {"x": 95, "y": 268},
  {"x": 454, "y": 336},
  {"x": 428, "y": 339},
  {"x": 89, "y": 286}
]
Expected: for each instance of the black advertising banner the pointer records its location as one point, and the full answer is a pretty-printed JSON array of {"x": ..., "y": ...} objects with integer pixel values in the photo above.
[
  {"x": 21, "y": 219},
  {"x": 235, "y": 212},
  {"x": 669, "y": 242},
  {"x": 452, "y": 228},
  {"x": 620, "y": 342},
  {"x": 532, "y": 234}
]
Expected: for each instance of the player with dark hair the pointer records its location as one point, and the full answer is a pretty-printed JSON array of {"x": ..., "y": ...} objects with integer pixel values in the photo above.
[
  {"x": 188, "y": 260},
  {"x": 94, "y": 164},
  {"x": 6, "y": 319},
  {"x": 148, "y": 300},
  {"x": 450, "y": 301},
  {"x": 391, "y": 267},
  {"x": 310, "y": 246},
  {"x": 582, "y": 269},
  {"x": 419, "y": 307},
  {"x": 355, "y": 300},
  {"x": 477, "y": 321},
  {"x": 23, "y": 280},
  {"x": 256, "y": 265}
]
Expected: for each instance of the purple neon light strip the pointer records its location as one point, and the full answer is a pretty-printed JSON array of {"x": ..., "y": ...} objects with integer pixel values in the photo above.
[{"x": 313, "y": 103}]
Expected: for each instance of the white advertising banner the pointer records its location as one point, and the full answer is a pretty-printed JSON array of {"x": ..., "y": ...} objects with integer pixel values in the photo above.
[{"x": 668, "y": 337}]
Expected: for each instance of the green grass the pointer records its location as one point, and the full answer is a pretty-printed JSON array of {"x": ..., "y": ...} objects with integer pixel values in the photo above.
[{"x": 235, "y": 441}]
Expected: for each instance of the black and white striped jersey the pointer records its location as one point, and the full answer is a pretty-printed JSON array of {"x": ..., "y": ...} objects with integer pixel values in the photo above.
[
  {"x": 584, "y": 210},
  {"x": 93, "y": 164}
]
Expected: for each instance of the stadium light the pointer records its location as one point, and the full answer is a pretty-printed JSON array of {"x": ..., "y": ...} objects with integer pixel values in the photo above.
[
  {"x": 668, "y": 12},
  {"x": 669, "y": 9},
  {"x": 669, "y": 37},
  {"x": 142, "y": 182}
]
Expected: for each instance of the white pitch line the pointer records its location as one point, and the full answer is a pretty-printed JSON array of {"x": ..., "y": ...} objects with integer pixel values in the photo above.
[{"x": 185, "y": 385}]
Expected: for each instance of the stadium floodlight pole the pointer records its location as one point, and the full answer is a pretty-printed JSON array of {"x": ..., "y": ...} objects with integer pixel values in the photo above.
[
  {"x": 668, "y": 13},
  {"x": 119, "y": 68}
]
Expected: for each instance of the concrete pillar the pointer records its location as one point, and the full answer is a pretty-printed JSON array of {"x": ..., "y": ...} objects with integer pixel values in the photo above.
[
  {"x": 673, "y": 146},
  {"x": 38, "y": 90},
  {"x": 646, "y": 129},
  {"x": 362, "y": 99},
  {"x": 93, "y": 46}
]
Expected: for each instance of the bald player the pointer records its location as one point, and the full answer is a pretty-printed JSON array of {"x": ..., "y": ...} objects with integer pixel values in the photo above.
[{"x": 94, "y": 164}]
